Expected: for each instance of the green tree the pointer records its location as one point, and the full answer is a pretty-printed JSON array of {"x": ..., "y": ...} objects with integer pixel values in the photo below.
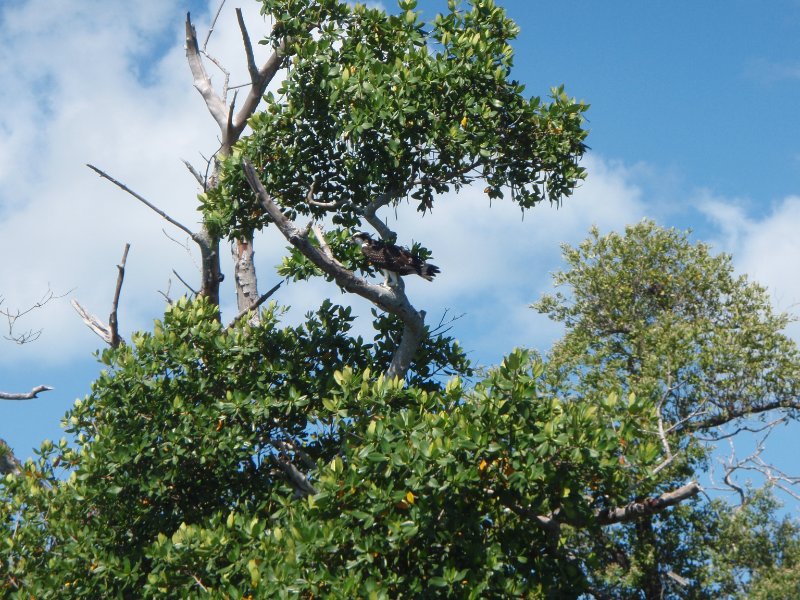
[
  {"x": 651, "y": 314},
  {"x": 256, "y": 460}
]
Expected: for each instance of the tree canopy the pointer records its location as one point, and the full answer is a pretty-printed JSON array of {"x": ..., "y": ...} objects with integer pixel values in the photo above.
[{"x": 256, "y": 459}]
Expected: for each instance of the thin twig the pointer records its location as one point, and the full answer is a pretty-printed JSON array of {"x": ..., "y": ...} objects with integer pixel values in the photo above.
[
  {"x": 261, "y": 299},
  {"x": 144, "y": 201},
  {"x": 197, "y": 580},
  {"x": 30, "y": 335},
  {"x": 213, "y": 25},
  {"x": 183, "y": 281}
]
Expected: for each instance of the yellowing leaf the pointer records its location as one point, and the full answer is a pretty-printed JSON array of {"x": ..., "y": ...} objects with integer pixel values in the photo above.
[{"x": 410, "y": 498}]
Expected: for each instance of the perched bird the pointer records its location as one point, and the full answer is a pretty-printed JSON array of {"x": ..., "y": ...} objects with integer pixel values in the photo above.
[{"x": 393, "y": 260}]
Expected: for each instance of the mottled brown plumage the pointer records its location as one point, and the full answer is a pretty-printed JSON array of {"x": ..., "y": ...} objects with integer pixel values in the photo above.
[{"x": 393, "y": 259}]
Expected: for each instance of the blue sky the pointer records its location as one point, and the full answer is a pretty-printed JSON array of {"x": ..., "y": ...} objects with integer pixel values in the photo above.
[{"x": 693, "y": 118}]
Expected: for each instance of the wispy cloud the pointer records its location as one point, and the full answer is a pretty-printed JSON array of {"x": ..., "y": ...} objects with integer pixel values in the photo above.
[{"x": 769, "y": 71}]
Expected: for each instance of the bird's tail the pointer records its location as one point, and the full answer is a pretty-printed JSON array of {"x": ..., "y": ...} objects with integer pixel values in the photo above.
[{"x": 429, "y": 272}]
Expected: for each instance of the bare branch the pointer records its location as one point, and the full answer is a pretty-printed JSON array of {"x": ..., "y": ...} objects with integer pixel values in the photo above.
[
  {"x": 299, "y": 482},
  {"x": 144, "y": 201},
  {"x": 263, "y": 298},
  {"x": 195, "y": 577},
  {"x": 113, "y": 324},
  {"x": 649, "y": 506},
  {"x": 166, "y": 294},
  {"x": 290, "y": 446},
  {"x": 373, "y": 219},
  {"x": 310, "y": 199},
  {"x": 248, "y": 47},
  {"x": 183, "y": 281},
  {"x": 323, "y": 244},
  {"x": 25, "y": 395},
  {"x": 202, "y": 82},
  {"x": 744, "y": 428},
  {"x": 12, "y": 318},
  {"x": 629, "y": 512},
  {"x": 195, "y": 173},
  {"x": 213, "y": 25},
  {"x": 259, "y": 85},
  {"x": 390, "y": 299},
  {"x": 92, "y": 322}
]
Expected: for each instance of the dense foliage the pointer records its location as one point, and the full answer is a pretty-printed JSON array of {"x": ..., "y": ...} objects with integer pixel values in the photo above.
[{"x": 259, "y": 460}]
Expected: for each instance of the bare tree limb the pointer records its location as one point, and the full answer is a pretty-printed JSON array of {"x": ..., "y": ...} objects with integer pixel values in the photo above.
[
  {"x": 195, "y": 173},
  {"x": 266, "y": 74},
  {"x": 213, "y": 24},
  {"x": 25, "y": 395},
  {"x": 12, "y": 318},
  {"x": 113, "y": 324},
  {"x": 263, "y": 298},
  {"x": 143, "y": 200},
  {"x": 630, "y": 512},
  {"x": 248, "y": 47},
  {"x": 202, "y": 82},
  {"x": 323, "y": 244},
  {"x": 92, "y": 322},
  {"x": 390, "y": 299},
  {"x": 370, "y": 214},
  {"x": 301, "y": 485},
  {"x": 649, "y": 506},
  {"x": 183, "y": 281}
]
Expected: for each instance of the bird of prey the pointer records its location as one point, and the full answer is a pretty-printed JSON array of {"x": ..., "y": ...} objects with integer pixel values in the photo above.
[{"x": 393, "y": 260}]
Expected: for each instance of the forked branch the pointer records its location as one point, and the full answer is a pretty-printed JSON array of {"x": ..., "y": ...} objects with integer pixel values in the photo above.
[
  {"x": 108, "y": 333},
  {"x": 391, "y": 300}
]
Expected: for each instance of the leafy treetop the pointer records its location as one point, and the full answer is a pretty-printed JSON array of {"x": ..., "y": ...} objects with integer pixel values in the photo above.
[{"x": 376, "y": 107}]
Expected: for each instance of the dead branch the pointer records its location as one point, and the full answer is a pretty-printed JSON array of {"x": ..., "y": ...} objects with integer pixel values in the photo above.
[
  {"x": 25, "y": 395},
  {"x": 183, "y": 281},
  {"x": 392, "y": 300},
  {"x": 143, "y": 200},
  {"x": 299, "y": 482},
  {"x": 248, "y": 47},
  {"x": 213, "y": 24},
  {"x": 370, "y": 215},
  {"x": 108, "y": 333},
  {"x": 12, "y": 318},
  {"x": 209, "y": 245},
  {"x": 263, "y": 298},
  {"x": 92, "y": 322},
  {"x": 323, "y": 244},
  {"x": 649, "y": 506},
  {"x": 630, "y": 512},
  {"x": 195, "y": 173},
  {"x": 202, "y": 82},
  {"x": 232, "y": 127},
  {"x": 113, "y": 324},
  {"x": 311, "y": 202}
]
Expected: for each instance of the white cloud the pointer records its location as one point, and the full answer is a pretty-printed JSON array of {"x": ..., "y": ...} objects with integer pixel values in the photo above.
[
  {"x": 766, "y": 248},
  {"x": 77, "y": 92},
  {"x": 83, "y": 96}
]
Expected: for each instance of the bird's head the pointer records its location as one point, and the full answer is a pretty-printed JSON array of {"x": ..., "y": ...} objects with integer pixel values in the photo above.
[{"x": 362, "y": 237}]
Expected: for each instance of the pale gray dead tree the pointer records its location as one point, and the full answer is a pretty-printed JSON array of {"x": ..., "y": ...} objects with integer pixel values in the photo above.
[{"x": 232, "y": 123}]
